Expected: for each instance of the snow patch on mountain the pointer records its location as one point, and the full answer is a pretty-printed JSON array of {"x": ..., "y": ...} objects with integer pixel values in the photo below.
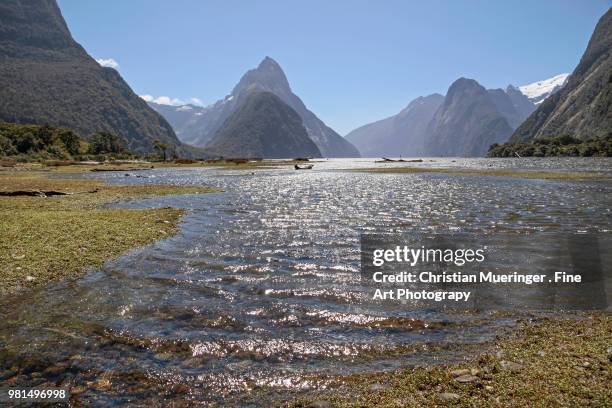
[{"x": 540, "y": 90}]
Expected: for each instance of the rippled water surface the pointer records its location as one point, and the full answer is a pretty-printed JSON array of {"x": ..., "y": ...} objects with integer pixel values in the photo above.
[{"x": 261, "y": 286}]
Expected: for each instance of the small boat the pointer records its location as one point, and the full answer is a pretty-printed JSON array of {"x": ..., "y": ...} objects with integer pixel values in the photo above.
[{"x": 307, "y": 167}]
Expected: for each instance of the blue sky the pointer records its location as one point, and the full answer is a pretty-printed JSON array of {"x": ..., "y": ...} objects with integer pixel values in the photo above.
[{"x": 351, "y": 61}]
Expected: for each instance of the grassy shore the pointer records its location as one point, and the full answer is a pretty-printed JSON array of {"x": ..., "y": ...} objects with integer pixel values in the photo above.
[
  {"x": 544, "y": 175},
  {"x": 47, "y": 238},
  {"x": 549, "y": 363}
]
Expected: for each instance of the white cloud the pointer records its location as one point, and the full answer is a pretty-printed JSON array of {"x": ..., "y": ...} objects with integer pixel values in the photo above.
[
  {"x": 108, "y": 62},
  {"x": 196, "y": 101},
  {"x": 167, "y": 100}
]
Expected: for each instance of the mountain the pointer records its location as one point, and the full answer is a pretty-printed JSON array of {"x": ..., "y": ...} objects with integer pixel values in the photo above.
[
  {"x": 583, "y": 107},
  {"x": 268, "y": 76},
  {"x": 401, "y": 134},
  {"x": 182, "y": 118},
  {"x": 263, "y": 126},
  {"x": 522, "y": 104},
  {"x": 540, "y": 90},
  {"x": 512, "y": 105},
  {"x": 426, "y": 126},
  {"x": 46, "y": 77},
  {"x": 467, "y": 122}
]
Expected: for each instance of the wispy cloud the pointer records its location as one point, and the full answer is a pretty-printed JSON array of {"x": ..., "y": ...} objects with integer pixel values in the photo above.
[
  {"x": 108, "y": 62},
  {"x": 167, "y": 100},
  {"x": 196, "y": 101}
]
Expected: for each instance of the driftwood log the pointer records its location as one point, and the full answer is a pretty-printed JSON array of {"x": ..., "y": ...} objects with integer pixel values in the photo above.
[
  {"x": 385, "y": 160},
  {"x": 121, "y": 169},
  {"x": 42, "y": 193}
]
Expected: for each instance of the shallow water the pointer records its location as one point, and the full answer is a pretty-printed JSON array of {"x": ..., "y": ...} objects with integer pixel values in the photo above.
[{"x": 261, "y": 286}]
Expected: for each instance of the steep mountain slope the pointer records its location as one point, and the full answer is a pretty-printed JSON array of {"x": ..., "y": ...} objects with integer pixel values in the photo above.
[
  {"x": 514, "y": 108},
  {"x": 583, "y": 108},
  {"x": 466, "y": 123},
  {"x": 263, "y": 126},
  {"x": 522, "y": 104},
  {"x": 268, "y": 76},
  {"x": 540, "y": 90},
  {"x": 401, "y": 134},
  {"x": 48, "y": 78}
]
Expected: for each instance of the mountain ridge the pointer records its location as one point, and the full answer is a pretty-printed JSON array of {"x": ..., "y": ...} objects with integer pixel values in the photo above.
[
  {"x": 582, "y": 108},
  {"x": 466, "y": 123},
  {"x": 267, "y": 76},
  {"x": 46, "y": 77},
  {"x": 406, "y": 135},
  {"x": 263, "y": 126},
  {"x": 399, "y": 134}
]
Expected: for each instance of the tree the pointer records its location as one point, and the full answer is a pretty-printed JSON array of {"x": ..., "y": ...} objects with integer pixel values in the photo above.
[
  {"x": 105, "y": 143},
  {"x": 161, "y": 147},
  {"x": 70, "y": 140}
]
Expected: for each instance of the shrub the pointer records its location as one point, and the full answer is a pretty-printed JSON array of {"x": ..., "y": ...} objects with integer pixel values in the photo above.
[{"x": 106, "y": 143}]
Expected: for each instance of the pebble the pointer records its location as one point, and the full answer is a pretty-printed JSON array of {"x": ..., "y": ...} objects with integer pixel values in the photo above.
[
  {"x": 102, "y": 384},
  {"x": 462, "y": 371},
  {"x": 319, "y": 404},
  {"x": 163, "y": 356},
  {"x": 466, "y": 378},
  {"x": 194, "y": 362},
  {"x": 29, "y": 278},
  {"x": 77, "y": 390},
  {"x": 511, "y": 366},
  {"x": 448, "y": 396},
  {"x": 239, "y": 366},
  {"x": 376, "y": 387},
  {"x": 180, "y": 389}
]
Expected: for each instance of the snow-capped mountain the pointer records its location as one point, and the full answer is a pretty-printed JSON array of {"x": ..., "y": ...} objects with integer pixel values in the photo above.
[{"x": 540, "y": 90}]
